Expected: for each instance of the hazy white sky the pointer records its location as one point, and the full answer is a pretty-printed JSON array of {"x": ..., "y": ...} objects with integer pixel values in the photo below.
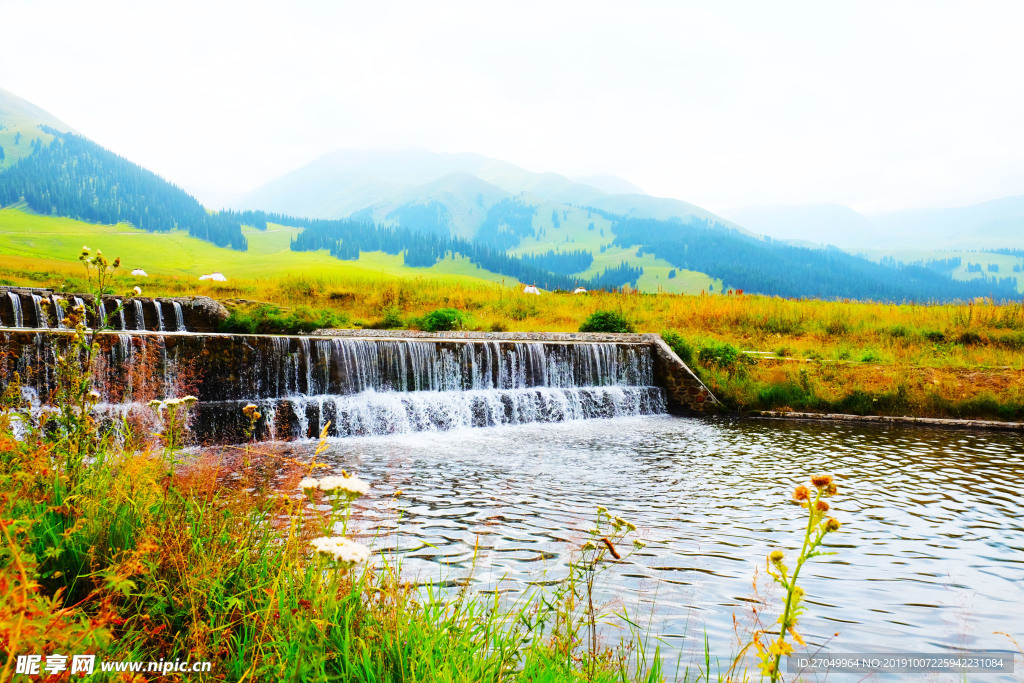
[{"x": 878, "y": 105}]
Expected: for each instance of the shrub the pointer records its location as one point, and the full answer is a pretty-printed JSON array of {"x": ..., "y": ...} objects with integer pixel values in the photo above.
[
  {"x": 870, "y": 356},
  {"x": 606, "y": 321},
  {"x": 934, "y": 336},
  {"x": 720, "y": 354},
  {"x": 969, "y": 338},
  {"x": 680, "y": 345},
  {"x": 391, "y": 318},
  {"x": 443, "y": 320},
  {"x": 268, "y": 319}
]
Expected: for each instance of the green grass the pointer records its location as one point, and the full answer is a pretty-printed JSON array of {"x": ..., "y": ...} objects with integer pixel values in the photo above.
[
  {"x": 175, "y": 253},
  {"x": 573, "y": 233},
  {"x": 1004, "y": 261}
]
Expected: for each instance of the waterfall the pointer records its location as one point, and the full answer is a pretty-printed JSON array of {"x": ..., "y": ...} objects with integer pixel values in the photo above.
[
  {"x": 58, "y": 310},
  {"x": 41, "y": 319},
  {"x": 120, "y": 313},
  {"x": 102, "y": 321},
  {"x": 179, "y": 318},
  {"x": 159, "y": 316},
  {"x": 363, "y": 386},
  {"x": 16, "y": 307},
  {"x": 140, "y": 320}
]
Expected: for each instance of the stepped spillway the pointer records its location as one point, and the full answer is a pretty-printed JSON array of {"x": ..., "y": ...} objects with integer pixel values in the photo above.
[{"x": 357, "y": 385}]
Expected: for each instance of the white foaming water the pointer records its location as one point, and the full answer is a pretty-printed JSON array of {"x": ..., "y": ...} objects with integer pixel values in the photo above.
[
  {"x": 140, "y": 319},
  {"x": 179, "y": 318},
  {"x": 58, "y": 309},
  {"x": 41, "y": 319},
  {"x": 372, "y": 413},
  {"x": 159, "y": 316},
  {"x": 16, "y": 307}
]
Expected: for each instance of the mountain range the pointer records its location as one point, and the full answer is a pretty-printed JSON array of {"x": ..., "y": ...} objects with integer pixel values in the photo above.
[
  {"x": 543, "y": 228},
  {"x": 994, "y": 224}
]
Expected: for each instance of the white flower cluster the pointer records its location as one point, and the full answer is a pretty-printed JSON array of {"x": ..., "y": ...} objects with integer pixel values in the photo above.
[
  {"x": 341, "y": 550},
  {"x": 173, "y": 403},
  {"x": 347, "y": 485}
]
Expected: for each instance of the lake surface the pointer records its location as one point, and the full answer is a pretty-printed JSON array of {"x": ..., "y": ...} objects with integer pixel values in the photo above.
[{"x": 930, "y": 556}]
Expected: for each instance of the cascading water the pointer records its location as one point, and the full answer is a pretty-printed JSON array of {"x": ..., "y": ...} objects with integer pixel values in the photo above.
[
  {"x": 363, "y": 386},
  {"x": 140, "y": 320},
  {"x": 102, "y": 321},
  {"x": 159, "y": 316},
  {"x": 41, "y": 319},
  {"x": 19, "y": 319},
  {"x": 58, "y": 309},
  {"x": 120, "y": 314},
  {"x": 179, "y": 318}
]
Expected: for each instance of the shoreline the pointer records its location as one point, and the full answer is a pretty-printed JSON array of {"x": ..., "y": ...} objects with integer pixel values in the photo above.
[{"x": 952, "y": 423}]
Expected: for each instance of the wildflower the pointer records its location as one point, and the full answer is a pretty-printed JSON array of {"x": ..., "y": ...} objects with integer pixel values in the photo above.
[
  {"x": 99, "y": 253},
  {"x": 137, "y": 290},
  {"x": 94, "y": 395},
  {"x": 398, "y": 493},
  {"x": 189, "y": 400},
  {"x": 630, "y": 526},
  {"x": 117, "y": 262},
  {"x": 831, "y": 490},
  {"x": 155, "y": 404},
  {"x": 619, "y": 523},
  {"x": 308, "y": 484},
  {"x": 85, "y": 248},
  {"x": 352, "y": 487},
  {"x": 589, "y": 545},
  {"x": 776, "y": 557},
  {"x": 342, "y": 550},
  {"x": 601, "y": 510},
  {"x": 821, "y": 506},
  {"x": 249, "y": 410},
  {"x": 801, "y": 493},
  {"x": 832, "y": 524},
  {"x": 822, "y": 480}
]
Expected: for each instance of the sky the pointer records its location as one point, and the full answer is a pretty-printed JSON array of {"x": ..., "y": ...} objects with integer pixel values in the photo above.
[{"x": 876, "y": 105}]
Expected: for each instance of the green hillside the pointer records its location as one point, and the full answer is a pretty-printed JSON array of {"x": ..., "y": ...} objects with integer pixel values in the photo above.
[
  {"x": 582, "y": 229},
  {"x": 25, "y": 235},
  {"x": 1005, "y": 262}
]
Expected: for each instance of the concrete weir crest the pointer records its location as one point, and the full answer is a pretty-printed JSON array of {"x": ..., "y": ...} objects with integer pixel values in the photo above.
[{"x": 684, "y": 391}]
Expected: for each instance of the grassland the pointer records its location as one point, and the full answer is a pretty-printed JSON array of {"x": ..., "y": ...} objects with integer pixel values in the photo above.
[
  {"x": 176, "y": 254},
  {"x": 1005, "y": 262},
  {"x": 952, "y": 360}
]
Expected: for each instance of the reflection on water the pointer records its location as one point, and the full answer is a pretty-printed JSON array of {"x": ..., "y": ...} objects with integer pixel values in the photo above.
[{"x": 931, "y": 554}]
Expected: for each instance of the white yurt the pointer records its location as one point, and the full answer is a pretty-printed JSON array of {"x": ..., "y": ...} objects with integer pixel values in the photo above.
[
  {"x": 530, "y": 289},
  {"x": 139, "y": 272},
  {"x": 579, "y": 290}
]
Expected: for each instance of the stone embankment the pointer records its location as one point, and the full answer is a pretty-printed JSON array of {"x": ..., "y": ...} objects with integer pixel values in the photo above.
[{"x": 37, "y": 308}]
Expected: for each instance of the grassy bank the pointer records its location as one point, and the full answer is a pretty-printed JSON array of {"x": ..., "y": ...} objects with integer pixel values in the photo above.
[{"x": 961, "y": 360}]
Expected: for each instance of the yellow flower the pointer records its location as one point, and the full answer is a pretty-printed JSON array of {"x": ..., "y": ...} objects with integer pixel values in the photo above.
[
  {"x": 776, "y": 557},
  {"x": 801, "y": 493},
  {"x": 832, "y": 524},
  {"x": 821, "y": 480}
]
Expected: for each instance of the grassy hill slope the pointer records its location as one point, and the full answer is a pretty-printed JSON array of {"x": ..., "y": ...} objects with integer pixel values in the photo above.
[{"x": 24, "y": 235}]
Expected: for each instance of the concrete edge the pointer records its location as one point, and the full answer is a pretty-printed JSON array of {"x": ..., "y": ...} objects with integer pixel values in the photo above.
[{"x": 887, "y": 419}]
